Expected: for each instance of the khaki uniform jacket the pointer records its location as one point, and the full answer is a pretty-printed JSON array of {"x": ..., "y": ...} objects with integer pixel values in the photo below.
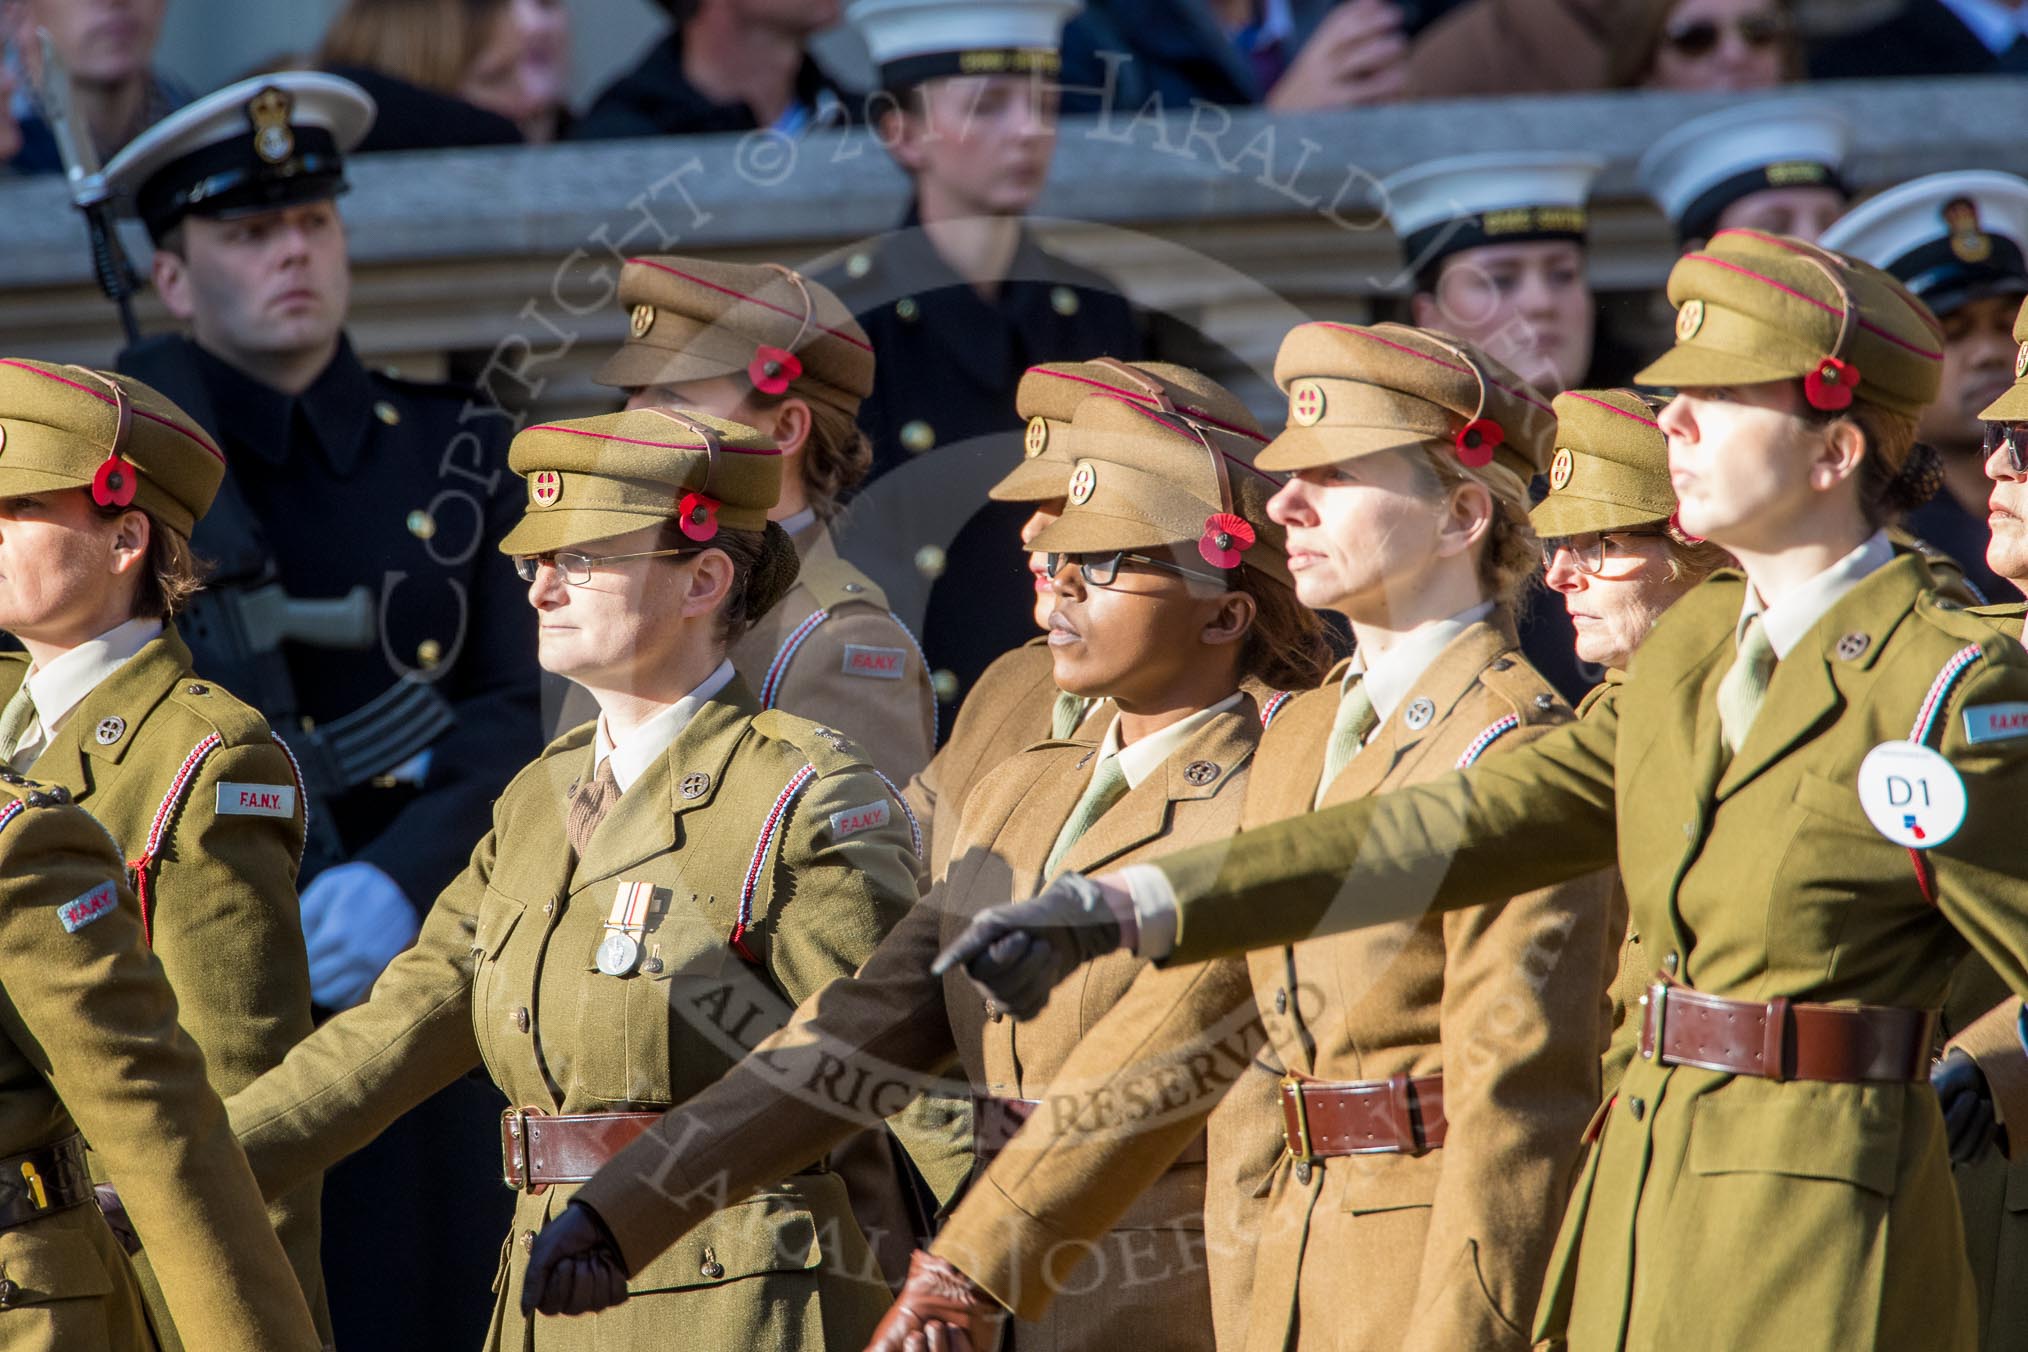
[
  {"x": 832, "y": 652},
  {"x": 779, "y": 859},
  {"x": 183, "y": 764},
  {"x": 89, "y": 1042},
  {"x": 1143, "y": 1286},
  {"x": 1762, "y": 1214},
  {"x": 1628, "y": 971},
  {"x": 1445, "y": 1250}
]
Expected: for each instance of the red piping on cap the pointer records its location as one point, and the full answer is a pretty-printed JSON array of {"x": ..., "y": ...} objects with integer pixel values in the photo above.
[{"x": 751, "y": 300}]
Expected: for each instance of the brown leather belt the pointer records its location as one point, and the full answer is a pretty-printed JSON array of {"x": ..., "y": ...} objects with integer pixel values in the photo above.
[
  {"x": 1401, "y": 1115},
  {"x": 45, "y": 1179},
  {"x": 1783, "y": 1040},
  {"x": 540, "y": 1150},
  {"x": 996, "y": 1120}
]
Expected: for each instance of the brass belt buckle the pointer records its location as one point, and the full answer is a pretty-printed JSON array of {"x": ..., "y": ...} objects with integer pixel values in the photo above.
[{"x": 1293, "y": 1086}]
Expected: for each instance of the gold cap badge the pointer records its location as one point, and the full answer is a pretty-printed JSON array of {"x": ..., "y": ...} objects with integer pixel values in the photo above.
[{"x": 269, "y": 111}]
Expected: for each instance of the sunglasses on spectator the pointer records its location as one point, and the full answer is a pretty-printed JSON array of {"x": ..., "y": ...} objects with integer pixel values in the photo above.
[
  {"x": 1102, "y": 570},
  {"x": 1702, "y": 36},
  {"x": 577, "y": 568},
  {"x": 2014, "y": 437},
  {"x": 1589, "y": 552}
]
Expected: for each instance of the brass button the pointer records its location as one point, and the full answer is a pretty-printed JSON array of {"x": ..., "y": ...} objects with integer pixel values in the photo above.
[
  {"x": 196, "y": 689},
  {"x": 387, "y": 413},
  {"x": 421, "y": 524},
  {"x": 520, "y": 1018},
  {"x": 917, "y": 436},
  {"x": 712, "y": 1269},
  {"x": 429, "y": 652},
  {"x": 1638, "y": 1108}
]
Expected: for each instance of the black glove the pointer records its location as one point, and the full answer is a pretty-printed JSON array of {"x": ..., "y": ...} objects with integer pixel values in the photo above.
[
  {"x": 575, "y": 1266},
  {"x": 1967, "y": 1101},
  {"x": 1018, "y": 952},
  {"x": 115, "y": 1212}
]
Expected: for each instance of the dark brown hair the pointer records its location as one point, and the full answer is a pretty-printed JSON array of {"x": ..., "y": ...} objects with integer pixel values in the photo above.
[
  {"x": 1286, "y": 647},
  {"x": 170, "y": 575},
  {"x": 431, "y": 43},
  {"x": 764, "y": 567},
  {"x": 836, "y": 455}
]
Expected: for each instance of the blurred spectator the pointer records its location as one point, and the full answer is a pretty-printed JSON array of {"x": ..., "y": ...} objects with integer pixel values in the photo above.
[
  {"x": 522, "y": 68},
  {"x": 1768, "y": 164},
  {"x": 422, "y": 60},
  {"x": 727, "y": 65},
  {"x": 10, "y": 126},
  {"x": 1487, "y": 47},
  {"x": 108, "y": 46},
  {"x": 1713, "y": 45},
  {"x": 1930, "y": 37}
]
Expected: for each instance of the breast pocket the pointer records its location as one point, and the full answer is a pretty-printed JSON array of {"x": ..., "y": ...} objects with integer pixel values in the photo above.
[{"x": 498, "y": 916}]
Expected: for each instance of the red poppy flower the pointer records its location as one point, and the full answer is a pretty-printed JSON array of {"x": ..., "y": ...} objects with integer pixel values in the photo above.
[
  {"x": 1477, "y": 441},
  {"x": 1829, "y": 388},
  {"x": 115, "y": 482},
  {"x": 697, "y": 516},
  {"x": 772, "y": 368},
  {"x": 1226, "y": 537}
]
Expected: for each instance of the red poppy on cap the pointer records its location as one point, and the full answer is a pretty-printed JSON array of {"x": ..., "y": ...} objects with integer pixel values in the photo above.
[
  {"x": 1226, "y": 537},
  {"x": 697, "y": 516},
  {"x": 772, "y": 368},
  {"x": 115, "y": 482},
  {"x": 1829, "y": 388},
  {"x": 1477, "y": 441}
]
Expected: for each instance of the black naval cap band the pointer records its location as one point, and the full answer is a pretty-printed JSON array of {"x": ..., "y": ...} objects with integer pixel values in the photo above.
[
  {"x": 1700, "y": 218},
  {"x": 229, "y": 176},
  {"x": 1430, "y": 246},
  {"x": 898, "y": 77},
  {"x": 1943, "y": 278}
]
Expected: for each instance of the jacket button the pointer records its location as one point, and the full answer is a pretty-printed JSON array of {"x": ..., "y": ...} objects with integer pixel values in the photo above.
[
  {"x": 1303, "y": 1172},
  {"x": 527, "y": 1241},
  {"x": 520, "y": 1017},
  {"x": 1638, "y": 1108},
  {"x": 1669, "y": 961},
  {"x": 198, "y": 689},
  {"x": 1281, "y": 1000},
  {"x": 712, "y": 1269},
  {"x": 549, "y": 907}
]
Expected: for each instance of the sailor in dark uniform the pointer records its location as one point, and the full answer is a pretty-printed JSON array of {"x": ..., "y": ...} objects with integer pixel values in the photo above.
[
  {"x": 361, "y": 603},
  {"x": 1957, "y": 241},
  {"x": 959, "y": 301}
]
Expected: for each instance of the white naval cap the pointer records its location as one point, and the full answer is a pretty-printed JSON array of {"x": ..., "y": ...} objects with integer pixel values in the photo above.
[
  {"x": 1467, "y": 201},
  {"x": 1950, "y": 238},
  {"x": 915, "y": 40},
  {"x": 264, "y": 143},
  {"x": 1702, "y": 167}
]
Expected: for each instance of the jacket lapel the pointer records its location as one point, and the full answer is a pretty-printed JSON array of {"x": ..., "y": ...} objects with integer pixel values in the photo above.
[
  {"x": 1223, "y": 745},
  {"x": 75, "y": 757},
  {"x": 1454, "y": 672}
]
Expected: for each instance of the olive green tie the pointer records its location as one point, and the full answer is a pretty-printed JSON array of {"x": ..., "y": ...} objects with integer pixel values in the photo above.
[
  {"x": 14, "y": 721},
  {"x": 1108, "y": 785},
  {"x": 1745, "y": 685},
  {"x": 1349, "y": 730},
  {"x": 1068, "y": 713}
]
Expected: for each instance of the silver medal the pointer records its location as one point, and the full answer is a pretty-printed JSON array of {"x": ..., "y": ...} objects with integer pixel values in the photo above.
[{"x": 618, "y": 953}]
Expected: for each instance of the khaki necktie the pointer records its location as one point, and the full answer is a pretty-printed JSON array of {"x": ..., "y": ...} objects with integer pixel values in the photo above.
[
  {"x": 14, "y": 721},
  {"x": 1068, "y": 713},
  {"x": 1108, "y": 785},
  {"x": 1349, "y": 730},
  {"x": 1745, "y": 685},
  {"x": 589, "y": 804}
]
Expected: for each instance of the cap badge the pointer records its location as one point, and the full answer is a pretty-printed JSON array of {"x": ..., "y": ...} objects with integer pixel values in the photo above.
[
  {"x": 772, "y": 368},
  {"x": 1083, "y": 480},
  {"x": 1689, "y": 319},
  {"x": 114, "y": 483},
  {"x": 1306, "y": 403},
  {"x": 2021, "y": 362},
  {"x": 1477, "y": 440},
  {"x": 545, "y": 486},
  {"x": 1037, "y": 439},
  {"x": 1226, "y": 537},
  {"x": 1969, "y": 243},
  {"x": 1829, "y": 387},
  {"x": 269, "y": 110},
  {"x": 697, "y": 517},
  {"x": 642, "y": 320},
  {"x": 1560, "y": 468}
]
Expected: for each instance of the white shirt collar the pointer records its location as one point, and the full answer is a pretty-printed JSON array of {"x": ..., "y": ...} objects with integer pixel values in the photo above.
[
  {"x": 645, "y": 743},
  {"x": 800, "y": 522},
  {"x": 1996, "y": 25},
  {"x": 1788, "y": 620},
  {"x": 1141, "y": 760},
  {"x": 1400, "y": 669},
  {"x": 62, "y": 685}
]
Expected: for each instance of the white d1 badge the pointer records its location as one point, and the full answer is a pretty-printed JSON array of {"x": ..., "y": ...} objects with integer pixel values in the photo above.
[{"x": 1912, "y": 795}]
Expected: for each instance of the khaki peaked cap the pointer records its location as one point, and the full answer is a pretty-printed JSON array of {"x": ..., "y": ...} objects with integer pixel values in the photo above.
[
  {"x": 594, "y": 478},
  {"x": 59, "y": 425},
  {"x": 2013, "y": 405},
  {"x": 697, "y": 319},
  {"x": 1141, "y": 478},
  {"x": 1611, "y": 467},
  {"x": 1049, "y": 395},
  {"x": 1754, "y": 307},
  {"x": 1360, "y": 389}
]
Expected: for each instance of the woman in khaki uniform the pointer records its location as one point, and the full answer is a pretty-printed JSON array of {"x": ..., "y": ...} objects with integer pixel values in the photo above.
[
  {"x": 764, "y": 346},
  {"x": 1165, "y": 630},
  {"x": 659, "y": 889},
  {"x": 1456, "y": 1054},
  {"x": 202, "y": 798},
  {"x": 1772, "y": 1173}
]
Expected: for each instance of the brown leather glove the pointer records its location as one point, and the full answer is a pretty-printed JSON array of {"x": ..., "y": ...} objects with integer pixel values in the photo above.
[{"x": 939, "y": 1309}]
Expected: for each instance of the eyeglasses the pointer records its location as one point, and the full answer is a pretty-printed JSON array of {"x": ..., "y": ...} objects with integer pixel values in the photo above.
[
  {"x": 2014, "y": 437},
  {"x": 577, "y": 568},
  {"x": 1588, "y": 552},
  {"x": 1701, "y": 37},
  {"x": 1102, "y": 570}
]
